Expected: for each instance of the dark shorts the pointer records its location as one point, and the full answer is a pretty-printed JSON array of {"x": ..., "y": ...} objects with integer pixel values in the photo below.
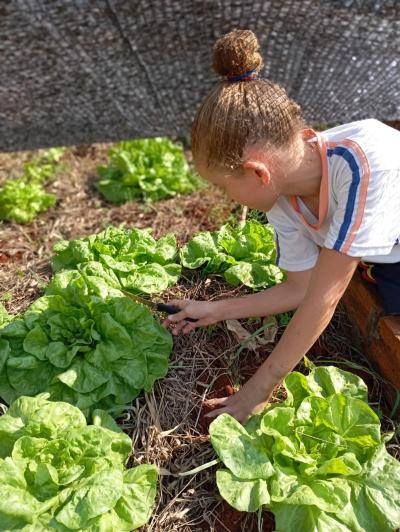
[{"x": 386, "y": 277}]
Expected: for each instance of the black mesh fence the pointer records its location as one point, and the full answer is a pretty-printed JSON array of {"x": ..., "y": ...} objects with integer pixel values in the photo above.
[{"x": 82, "y": 71}]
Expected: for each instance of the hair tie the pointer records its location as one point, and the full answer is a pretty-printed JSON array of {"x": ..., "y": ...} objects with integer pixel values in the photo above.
[{"x": 247, "y": 76}]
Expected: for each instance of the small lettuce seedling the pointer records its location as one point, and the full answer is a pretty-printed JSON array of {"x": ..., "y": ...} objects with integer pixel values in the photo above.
[{"x": 21, "y": 201}]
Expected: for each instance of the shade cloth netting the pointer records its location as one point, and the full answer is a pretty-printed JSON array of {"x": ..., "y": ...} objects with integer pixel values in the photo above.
[{"x": 81, "y": 71}]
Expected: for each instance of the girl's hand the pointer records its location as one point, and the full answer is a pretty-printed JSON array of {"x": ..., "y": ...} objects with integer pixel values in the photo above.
[
  {"x": 241, "y": 405},
  {"x": 204, "y": 311}
]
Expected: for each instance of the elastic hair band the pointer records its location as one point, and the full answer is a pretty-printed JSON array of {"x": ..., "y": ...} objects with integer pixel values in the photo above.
[{"x": 247, "y": 76}]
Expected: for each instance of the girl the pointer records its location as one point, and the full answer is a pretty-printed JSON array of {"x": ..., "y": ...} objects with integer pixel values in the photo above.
[{"x": 332, "y": 197}]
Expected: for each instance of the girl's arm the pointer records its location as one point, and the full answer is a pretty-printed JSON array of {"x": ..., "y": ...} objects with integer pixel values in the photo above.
[
  {"x": 280, "y": 298},
  {"x": 328, "y": 282}
]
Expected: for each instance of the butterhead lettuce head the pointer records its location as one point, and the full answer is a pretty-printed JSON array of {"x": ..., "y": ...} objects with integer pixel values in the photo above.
[
  {"x": 84, "y": 344},
  {"x": 58, "y": 473},
  {"x": 317, "y": 460}
]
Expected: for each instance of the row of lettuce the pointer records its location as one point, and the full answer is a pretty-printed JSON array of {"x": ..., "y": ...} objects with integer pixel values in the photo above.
[
  {"x": 90, "y": 349},
  {"x": 87, "y": 344},
  {"x": 317, "y": 460},
  {"x": 84, "y": 349},
  {"x": 145, "y": 170}
]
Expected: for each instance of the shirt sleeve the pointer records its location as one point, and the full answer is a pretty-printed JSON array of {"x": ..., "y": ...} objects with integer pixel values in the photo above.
[
  {"x": 367, "y": 217},
  {"x": 295, "y": 252}
]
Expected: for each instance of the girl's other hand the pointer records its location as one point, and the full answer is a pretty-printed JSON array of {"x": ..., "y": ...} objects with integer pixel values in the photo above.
[
  {"x": 204, "y": 312},
  {"x": 241, "y": 405}
]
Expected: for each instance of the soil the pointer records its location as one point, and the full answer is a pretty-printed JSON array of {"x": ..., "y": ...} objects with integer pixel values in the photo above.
[
  {"x": 231, "y": 520},
  {"x": 222, "y": 387}
]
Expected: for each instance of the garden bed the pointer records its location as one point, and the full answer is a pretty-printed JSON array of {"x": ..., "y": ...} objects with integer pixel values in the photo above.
[
  {"x": 167, "y": 425},
  {"x": 377, "y": 335}
]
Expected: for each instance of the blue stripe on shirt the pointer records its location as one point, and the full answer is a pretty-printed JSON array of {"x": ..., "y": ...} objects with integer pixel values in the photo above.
[
  {"x": 351, "y": 200},
  {"x": 278, "y": 249}
]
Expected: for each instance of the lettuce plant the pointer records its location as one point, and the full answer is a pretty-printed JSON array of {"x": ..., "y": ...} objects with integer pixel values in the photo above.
[
  {"x": 4, "y": 315},
  {"x": 42, "y": 168},
  {"x": 21, "y": 201},
  {"x": 130, "y": 258},
  {"x": 84, "y": 344},
  {"x": 244, "y": 254},
  {"x": 317, "y": 460},
  {"x": 23, "y": 198},
  {"x": 58, "y": 473},
  {"x": 148, "y": 169}
]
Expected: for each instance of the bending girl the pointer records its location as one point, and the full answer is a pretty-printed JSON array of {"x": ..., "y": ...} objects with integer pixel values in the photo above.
[{"x": 332, "y": 197}]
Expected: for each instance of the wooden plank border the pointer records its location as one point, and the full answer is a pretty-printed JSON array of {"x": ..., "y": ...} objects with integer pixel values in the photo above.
[{"x": 377, "y": 335}]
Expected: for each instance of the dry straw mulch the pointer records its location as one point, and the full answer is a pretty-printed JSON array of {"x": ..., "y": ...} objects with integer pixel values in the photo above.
[{"x": 166, "y": 425}]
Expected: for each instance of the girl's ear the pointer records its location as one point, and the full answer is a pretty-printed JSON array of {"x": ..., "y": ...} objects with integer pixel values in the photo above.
[{"x": 260, "y": 169}]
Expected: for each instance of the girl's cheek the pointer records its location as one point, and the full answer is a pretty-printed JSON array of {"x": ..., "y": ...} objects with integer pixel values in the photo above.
[{"x": 232, "y": 195}]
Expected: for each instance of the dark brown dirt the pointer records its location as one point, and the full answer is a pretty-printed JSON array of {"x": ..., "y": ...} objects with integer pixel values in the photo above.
[{"x": 222, "y": 387}]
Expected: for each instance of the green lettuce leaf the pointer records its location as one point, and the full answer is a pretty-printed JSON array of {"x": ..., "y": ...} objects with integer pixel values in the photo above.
[
  {"x": 5, "y": 317},
  {"x": 244, "y": 495},
  {"x": 317, "y": 460},
  {"x": 241, "y": 452},
  {"x": 84, "y": 344},
  {"x": 58, "y": 473},
  {"x": 147, "y": 169}
]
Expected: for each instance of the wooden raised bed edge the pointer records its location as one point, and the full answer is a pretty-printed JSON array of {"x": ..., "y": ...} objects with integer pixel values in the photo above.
[{"x": 375, "y": 334}]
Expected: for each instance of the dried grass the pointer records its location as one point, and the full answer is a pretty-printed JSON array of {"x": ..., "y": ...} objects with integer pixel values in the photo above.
[{"x": 165, "y": 425}]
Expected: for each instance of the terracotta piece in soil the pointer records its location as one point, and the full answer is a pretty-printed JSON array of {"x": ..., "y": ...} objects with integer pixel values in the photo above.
[{"x": 8, "y": 257}]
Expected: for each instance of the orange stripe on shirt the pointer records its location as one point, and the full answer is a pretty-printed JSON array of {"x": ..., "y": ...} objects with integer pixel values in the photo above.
[{"x": 362, "y": 196}]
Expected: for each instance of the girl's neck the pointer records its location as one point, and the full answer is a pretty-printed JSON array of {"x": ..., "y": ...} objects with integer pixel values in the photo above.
[{"x": 303, "y": 177}]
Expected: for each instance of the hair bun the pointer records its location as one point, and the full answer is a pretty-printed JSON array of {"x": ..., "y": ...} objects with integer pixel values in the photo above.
[{"x": 237, "y": 52}]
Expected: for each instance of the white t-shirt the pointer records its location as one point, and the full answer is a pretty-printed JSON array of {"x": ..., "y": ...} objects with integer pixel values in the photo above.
[{"x": 359, "y": 206}]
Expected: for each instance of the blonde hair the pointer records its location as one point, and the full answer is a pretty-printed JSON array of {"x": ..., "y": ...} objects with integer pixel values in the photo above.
[{"x": 237, "y": 113}]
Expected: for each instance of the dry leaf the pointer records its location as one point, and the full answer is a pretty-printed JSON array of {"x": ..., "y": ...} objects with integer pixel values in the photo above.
[{"x": 242, "y": 334}]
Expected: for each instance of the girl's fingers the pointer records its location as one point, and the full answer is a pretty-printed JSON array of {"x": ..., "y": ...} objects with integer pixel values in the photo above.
[
  {"x": 181, "y": 303},
  {"x": 178, "y": 328},
  {"x": 216, "y": 401},
  {"x": 179, "y": 316},
  {"x": 227, "y": 410},
  {"x": 227, "y": 406},
  {"x": 188, "y": 328},
  {"x": 218, "y": 411}
]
